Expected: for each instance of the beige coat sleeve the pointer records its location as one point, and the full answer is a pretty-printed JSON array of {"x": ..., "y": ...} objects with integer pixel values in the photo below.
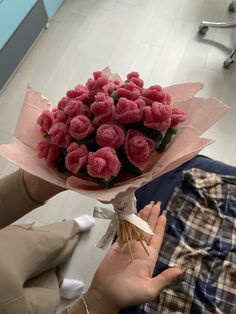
[{"x": 15, "y": 200}]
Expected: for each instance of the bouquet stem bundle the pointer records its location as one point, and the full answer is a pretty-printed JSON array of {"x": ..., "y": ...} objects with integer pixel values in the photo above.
[{"x": 127, "y": 232}]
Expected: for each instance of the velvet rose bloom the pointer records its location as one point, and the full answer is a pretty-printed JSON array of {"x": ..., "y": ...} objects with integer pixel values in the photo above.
[
  {"x": 74, "y": 108},
  {"x": 76, "y": 158},
  {"x": 177, "y": 116},
  {"x": 129, "y": 111},
  {"x": 96, "y": 84},
  {"x": 80, "y": 93},
  {"x": 103, "y": 108},
  {"x": 109, "y": 88},
  {"x": 157, "y": 116},
  {"x": 59, "y": 116},
  {"x": 129, "y": 90},
  {"x": 62, "y": 103},
  {"x": 138, "y": 148},
  {"x": 60, "y": 136},
  {"x": 45, "y": 120},
  {"x": 134, "y": 77},
  {"x": 156, "y": 93},
  {"x": 49, "y": 152},
  {"x": 80, "y": 127},
  {"x": 111, "y": 135},
  {"x": 103, "y": 164}
]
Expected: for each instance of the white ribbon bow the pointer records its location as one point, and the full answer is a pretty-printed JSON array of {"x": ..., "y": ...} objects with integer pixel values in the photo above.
[{"x": 125, "y": 208}]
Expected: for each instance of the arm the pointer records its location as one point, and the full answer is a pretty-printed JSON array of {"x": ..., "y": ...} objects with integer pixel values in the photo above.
[
  {"x": 119, "y": 283},
  {"x": 21, "y": 192}
]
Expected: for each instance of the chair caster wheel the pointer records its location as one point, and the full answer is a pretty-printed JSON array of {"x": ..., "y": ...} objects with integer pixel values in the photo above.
[
  {"x": 202, "y": 29},
  {"x": 228, "y": 63},
  {"x": 232, "y": 7}
]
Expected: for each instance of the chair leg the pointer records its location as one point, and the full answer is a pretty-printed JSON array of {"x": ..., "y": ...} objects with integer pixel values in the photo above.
[
  {"x": 232, "y": 6},
  {"x": 230, "y": 60},
  {"x": 217, "y": 24}
]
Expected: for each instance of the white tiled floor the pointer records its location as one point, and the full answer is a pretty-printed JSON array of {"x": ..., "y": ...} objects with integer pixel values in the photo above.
[{"x": 157, "y": 38}]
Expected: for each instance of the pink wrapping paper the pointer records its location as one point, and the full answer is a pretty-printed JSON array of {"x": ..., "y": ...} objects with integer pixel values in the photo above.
[{"x": 201, "y": 114}]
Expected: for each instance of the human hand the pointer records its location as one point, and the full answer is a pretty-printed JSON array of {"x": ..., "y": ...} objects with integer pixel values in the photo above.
[{"x": 119, "y": 282}]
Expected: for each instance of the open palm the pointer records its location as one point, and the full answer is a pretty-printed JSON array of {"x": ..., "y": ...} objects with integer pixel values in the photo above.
[{"x": 125, "y": 282}]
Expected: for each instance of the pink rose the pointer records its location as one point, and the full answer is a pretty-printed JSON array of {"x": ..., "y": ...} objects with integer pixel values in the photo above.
[
  {"x": 96, "y": 84},
  {"x": 45, "y": 120},
  {"x": 103, "y": 108},
  {"x": 76, "y": 158},
  {"x": 59, "y": 116},
  {"x": 111, "y": 135},
  {"x": 73, "y": 93},
  {"x": 129, "y": 111},
  {"x": 97, "y": 74},
  {"x": 60, "y": 135},
  {"x": 80, "y": 127},
  {"x": 177, "y": 116},
  {"x": 109, "y": 88},
  {"x": 104, "y": 163},
  {"x": 74, "y": 108},
  {"x": 62, "y": 103},
  {"x": 82, "y": 93},
  {"x": 117, "y": 83},
  {"x": 49, "y": 152},
  {"x": 156, "y": 94},
  {"x": 138, "y": 148},
  {"x": 157, "y": 116},
  {"x": 129, "y": 90},
  {"x": 134, "y": 77}
]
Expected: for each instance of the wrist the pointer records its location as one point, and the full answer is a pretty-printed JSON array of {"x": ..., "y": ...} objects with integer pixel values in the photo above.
[{"x": 96, "y": 302}]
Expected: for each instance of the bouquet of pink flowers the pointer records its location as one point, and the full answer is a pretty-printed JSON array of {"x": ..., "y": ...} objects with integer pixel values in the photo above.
[
  {"x": 108, "y": 129},
  {"x": 107, "y": 138}
]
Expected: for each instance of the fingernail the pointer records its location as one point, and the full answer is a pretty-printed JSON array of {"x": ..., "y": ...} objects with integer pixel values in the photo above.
[
  {"x": 164, "y": 212},
  {"x": 158, "y": 203},
  {"x": 152, "y": 203}
]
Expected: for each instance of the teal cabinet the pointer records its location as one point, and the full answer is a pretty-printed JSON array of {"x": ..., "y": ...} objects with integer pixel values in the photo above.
[
  {"x": 12, "y": 13},
  {"x": 51, "y": 6}
]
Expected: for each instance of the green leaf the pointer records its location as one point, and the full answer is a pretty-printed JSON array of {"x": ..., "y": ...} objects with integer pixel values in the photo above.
[
  {"x": 126, "y": 164},
  {"x": 150, "y": 133},
  {"x": 60, "y": 162},
  {"x": 114, "y": 95},
  {"x": 91, "y": 139},
  {"x": 47, "y": 136},
  {"x": 166, "y": 140},
  {"x": 108, "y": 184},
  {"x": 89, "y": 102}
]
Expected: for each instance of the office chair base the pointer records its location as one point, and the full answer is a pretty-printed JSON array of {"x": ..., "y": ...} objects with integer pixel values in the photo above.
[
  {"x": 203, "y": 28},
  {"x": 230, "y": 60},
  {"x": 205, "y": 25}
]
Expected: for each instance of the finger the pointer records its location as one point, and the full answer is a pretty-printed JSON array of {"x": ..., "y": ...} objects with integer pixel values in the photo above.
[
  {"x": 156, "y": 240},
  {"x": 153, "y": 216},
  {"x": 145, "y": 212},
  {"x": 164, "y": 279}
]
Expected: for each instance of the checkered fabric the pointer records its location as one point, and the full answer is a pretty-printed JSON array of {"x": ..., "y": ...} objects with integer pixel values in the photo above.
[{"x": 200, "y": 233}]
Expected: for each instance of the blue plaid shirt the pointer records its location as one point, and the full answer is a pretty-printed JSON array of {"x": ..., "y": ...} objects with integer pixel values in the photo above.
[{"x": 200, "y": 233}]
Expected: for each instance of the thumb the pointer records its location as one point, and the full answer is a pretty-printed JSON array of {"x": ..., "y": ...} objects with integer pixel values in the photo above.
[{"x": 165, "y": 278}]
